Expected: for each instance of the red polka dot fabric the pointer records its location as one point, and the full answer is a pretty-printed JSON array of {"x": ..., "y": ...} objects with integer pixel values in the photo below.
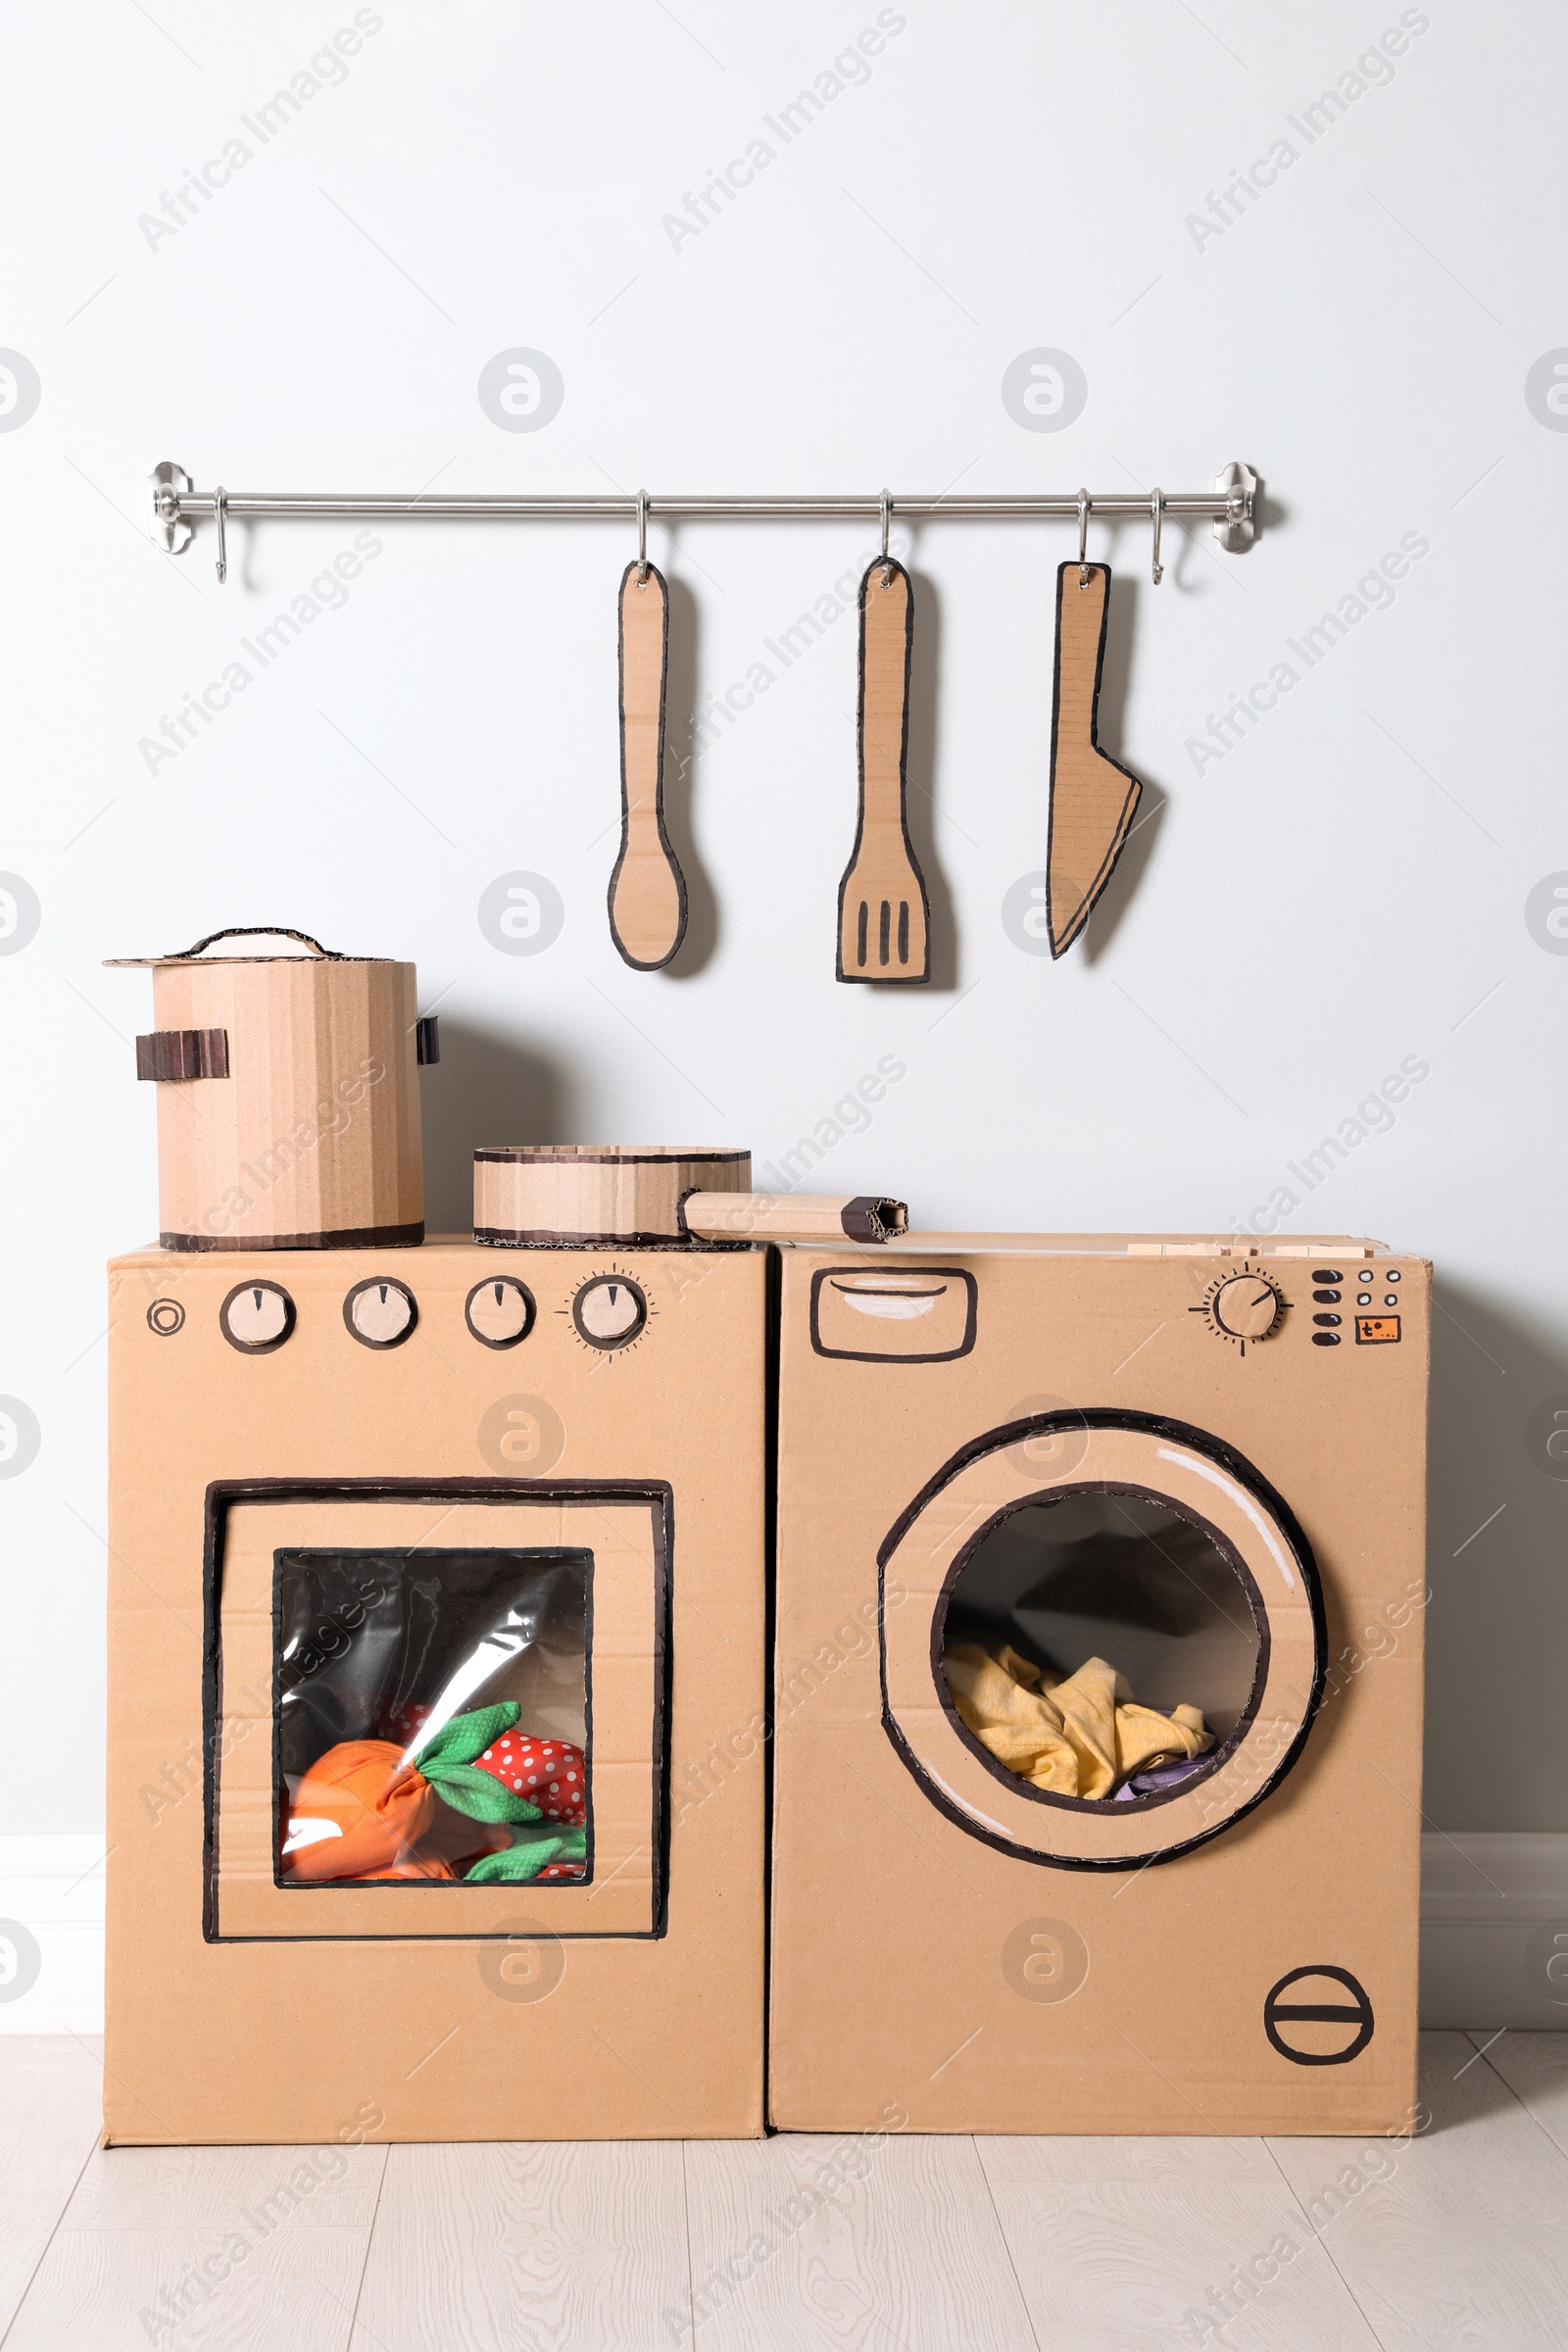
[
  {"x": 403, "y": 1720},
  {"x": 551, "y": 1774}
]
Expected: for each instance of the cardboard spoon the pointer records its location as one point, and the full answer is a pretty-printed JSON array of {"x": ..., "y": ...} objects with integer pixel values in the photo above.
[
  {"x": 1093, "y": 798},
  {"x": 646, "y": 890},
  {"x": 884, "y": 917}
]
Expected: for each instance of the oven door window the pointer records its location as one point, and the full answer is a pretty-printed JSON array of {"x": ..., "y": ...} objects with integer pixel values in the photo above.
[
  {"x": 428, "y": 1709},
  {"x": 431, "y": 1716},
  {"x": 1102, "y": 1640}
]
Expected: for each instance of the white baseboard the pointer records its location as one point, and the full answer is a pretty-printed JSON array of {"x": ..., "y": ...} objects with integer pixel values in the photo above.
[
  {"x": 51, "y": 1931},
  {"x": 1486, "y": 1896},
  {"x": 1490, "y": 1902}
]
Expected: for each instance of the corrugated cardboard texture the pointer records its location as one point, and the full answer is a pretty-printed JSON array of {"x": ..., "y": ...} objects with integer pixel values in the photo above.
[
  {"x": 646, "y": 890},
  {"x": 1093, "y": 798},
  {"x": 530, "y": 1194},
  {"x": 884, "y": 913},
  {"x": 315, "y": 1129},
  {"x": 792, "y": 1216},
  {"x": 607, "y": 2033},
  {"x": 914, "y": 1962}
]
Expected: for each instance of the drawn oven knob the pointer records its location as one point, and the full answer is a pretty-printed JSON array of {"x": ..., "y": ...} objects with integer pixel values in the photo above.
[
  {"x": 500, "y": 1312},
  {"x": 380, "y": 1312},
  {"x": 256, "y": 1317},
  {"x": 1245, "y": 1308},
  {"x": 609, "y": 1311}
]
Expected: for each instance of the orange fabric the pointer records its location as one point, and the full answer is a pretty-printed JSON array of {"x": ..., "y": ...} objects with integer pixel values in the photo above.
[
  {"x": 357, "y": 1811},
  {"x": 413, "y": 1865}
]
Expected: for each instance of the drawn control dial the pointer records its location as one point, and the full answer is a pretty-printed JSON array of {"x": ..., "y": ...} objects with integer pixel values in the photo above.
[
  {"x": 609, "y": 1311},
  {"x": 380, "y": 1312},
  {"x": 1244, "y": 1307},
  {"x": 256, "y": 1317},
  {"x": 500, "y": 1312}
]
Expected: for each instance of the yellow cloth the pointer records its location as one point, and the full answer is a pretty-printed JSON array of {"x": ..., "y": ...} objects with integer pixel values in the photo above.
[{"x": 1080, "y": 1737}]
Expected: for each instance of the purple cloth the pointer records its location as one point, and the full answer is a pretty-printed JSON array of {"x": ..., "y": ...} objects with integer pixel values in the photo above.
[{"x": 1157, "y": 1779}]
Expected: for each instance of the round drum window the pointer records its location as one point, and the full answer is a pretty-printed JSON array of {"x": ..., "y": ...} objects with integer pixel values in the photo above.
[
  {"x": 1102, "y": 1638},
  {"x": 1101, "y": 1648}
]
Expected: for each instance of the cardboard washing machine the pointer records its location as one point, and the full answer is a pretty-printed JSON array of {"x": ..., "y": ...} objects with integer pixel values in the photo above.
[
  {"x": 1003, "y": 1458},
  {"x": 525, "y": 1489}
]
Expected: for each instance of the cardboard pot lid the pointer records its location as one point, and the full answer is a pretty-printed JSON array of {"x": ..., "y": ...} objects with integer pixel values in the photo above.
[
  {"x": 1165, "y": 1462},
  {"x": 193, "y": 955}
]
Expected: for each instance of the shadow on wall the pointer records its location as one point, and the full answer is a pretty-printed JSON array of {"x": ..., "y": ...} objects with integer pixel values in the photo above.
[
  {"x": 1126, "y": 597},
  {"x": 485, "y": 1089},
  {"x": 680, "y": 778},
  {"x": 1497, "y": 1623},
  {"x": 920, "y": 769}
]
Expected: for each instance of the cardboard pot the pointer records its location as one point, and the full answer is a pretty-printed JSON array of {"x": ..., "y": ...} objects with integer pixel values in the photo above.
[{"x": 288, "y": 1104}]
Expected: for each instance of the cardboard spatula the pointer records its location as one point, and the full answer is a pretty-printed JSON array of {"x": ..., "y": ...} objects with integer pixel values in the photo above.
[
  {"x": 884, "y": 917},
  {"x": 646, "y": 890},
  {"x": 1093, "y": 800}
]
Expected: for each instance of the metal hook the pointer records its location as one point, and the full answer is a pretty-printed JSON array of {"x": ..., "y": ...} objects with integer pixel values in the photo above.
[
  {"x": 1157, "y": 504},
  {"x": 221, "y": 508},
  {"x": 887, "y": 519},
  {"x": 642, "y": 538},
  {"x": 1083, "y": 538}
]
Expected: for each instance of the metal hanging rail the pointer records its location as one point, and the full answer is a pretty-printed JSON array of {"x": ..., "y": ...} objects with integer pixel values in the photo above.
[{"x": 177, "y": 507}]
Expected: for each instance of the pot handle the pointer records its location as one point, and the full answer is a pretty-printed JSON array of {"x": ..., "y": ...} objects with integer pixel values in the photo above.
[
  {"x": 167, "y": 1054},
  {"x": 259, "y": 931}
]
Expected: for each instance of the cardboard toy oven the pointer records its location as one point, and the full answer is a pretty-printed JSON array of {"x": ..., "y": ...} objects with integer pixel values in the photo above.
[
  {"x": 499, "y": 1515},
  {"x": 1051, "y": 1510}
]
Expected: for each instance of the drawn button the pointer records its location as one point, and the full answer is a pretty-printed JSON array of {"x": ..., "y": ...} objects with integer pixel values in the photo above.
[{"x": 1343, "y": 2027}]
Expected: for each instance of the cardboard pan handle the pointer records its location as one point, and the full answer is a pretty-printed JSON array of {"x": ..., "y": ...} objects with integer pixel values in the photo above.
[
  {"x": 256, "y": 931},
  {"x": 791, "y": 1216}
]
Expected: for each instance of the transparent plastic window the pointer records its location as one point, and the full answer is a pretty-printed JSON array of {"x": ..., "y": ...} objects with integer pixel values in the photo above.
[
  {"x": 1098, "y": 1645},
  {"x": 432, "y": 1711}
]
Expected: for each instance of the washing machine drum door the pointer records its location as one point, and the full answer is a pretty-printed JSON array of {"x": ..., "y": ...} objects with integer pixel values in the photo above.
[{"x": 1152, "y": 1571}]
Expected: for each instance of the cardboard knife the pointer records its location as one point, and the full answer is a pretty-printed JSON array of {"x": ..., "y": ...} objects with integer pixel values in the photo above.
[{"x": 1093, "y": 798}]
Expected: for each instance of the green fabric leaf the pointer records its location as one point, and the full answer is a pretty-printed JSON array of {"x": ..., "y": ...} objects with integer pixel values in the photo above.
[
  {"x": 524, "y": 1860},
  {"x": 468, "y": 1736},
  {"x": 477, "y": 1793}
]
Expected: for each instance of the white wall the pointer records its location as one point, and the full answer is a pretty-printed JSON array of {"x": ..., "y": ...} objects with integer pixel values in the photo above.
[{"x": 1345, "y": 889}]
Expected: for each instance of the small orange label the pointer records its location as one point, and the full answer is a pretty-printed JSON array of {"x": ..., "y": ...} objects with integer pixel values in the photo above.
[{"x": 1372, "y": 1331}]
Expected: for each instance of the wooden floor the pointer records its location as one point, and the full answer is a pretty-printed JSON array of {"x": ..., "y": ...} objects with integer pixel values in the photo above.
[{"x": 1454, "y": 2242}]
